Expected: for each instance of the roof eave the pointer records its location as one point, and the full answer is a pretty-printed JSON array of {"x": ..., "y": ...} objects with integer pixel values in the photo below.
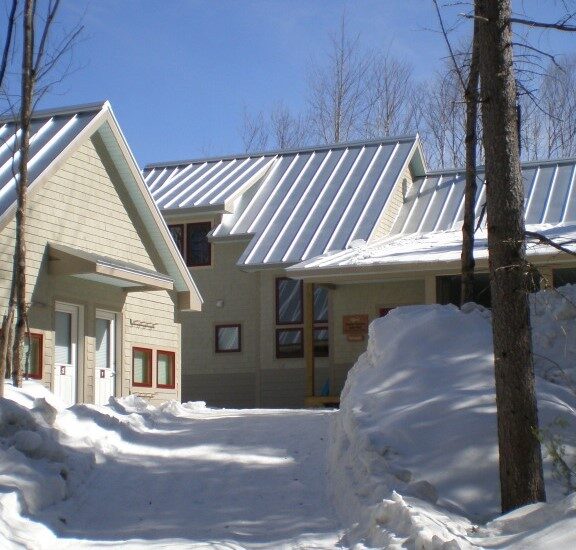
[{"x": 195, "y": 299}]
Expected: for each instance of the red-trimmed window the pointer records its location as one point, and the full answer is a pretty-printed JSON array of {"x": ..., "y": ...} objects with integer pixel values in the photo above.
[
  {"x": 165, "y": 369},
  {"x": 198, "y": 248},
  {"x": 289, "y": 343},
  {"x": 142, "y": 367},
  {"x": 228, "y": 338},
  {"x": 289, "y": 312},
  {"x": 33, "y": 355}
]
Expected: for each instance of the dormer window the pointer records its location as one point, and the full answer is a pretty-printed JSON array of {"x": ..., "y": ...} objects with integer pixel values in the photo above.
[{"x": 191, "y": 239}]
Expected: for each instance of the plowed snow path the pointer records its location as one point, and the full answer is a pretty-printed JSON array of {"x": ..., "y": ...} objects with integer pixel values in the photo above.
[{"x": 206, "y": 479}]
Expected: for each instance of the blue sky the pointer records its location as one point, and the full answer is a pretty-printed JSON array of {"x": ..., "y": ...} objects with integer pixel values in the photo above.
[{"x": 179, "y": 73}]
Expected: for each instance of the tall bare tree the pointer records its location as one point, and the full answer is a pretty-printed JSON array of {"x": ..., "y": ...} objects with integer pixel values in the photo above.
[
  {"x": 38, "y": 60},
  {"x": 521, "y": 478},
  {"x": 442, "y": 116},
  {"x": 338, "y": 98},
  {"x": 391, "y": 110}
]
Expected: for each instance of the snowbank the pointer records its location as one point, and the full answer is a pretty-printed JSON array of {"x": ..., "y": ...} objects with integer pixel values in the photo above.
[{"x": 416, "y": 437}]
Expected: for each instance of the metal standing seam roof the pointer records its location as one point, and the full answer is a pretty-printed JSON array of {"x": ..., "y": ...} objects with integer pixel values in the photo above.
[
  {"x": 210, "y": 183},
  {"x": 305, "y": 203},
  {"x": 50, "y": 133},
  {"x": 53, "y": 133},
  {"x": 436, "y": 202},
  {"x": 428, "y": 225}
]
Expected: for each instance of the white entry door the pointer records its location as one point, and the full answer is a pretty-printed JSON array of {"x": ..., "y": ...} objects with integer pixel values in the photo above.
[
  {"x": 66, "y": 353},
  {"x": 105, "y": 360}
]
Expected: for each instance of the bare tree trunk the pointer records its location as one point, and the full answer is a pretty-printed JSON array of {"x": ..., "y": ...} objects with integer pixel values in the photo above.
[
  {"x": 19, "y": 276},
  {"x": 471, "y": 97},
  {"x": 521, "y": 478}
]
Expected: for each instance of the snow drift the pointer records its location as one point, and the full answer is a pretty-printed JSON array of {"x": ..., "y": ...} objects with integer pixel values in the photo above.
[{"x": 416, "y": 436}]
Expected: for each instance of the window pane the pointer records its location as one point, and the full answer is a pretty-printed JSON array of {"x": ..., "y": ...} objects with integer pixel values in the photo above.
[
  {"x": 165, "y": 368},
  {"x": 321, "y": 346},
  {"x": 289, "y": 343},
  {"x": 288, "y": 301},
  {"x": 320, "y": 305},
  {"x": 177, "y": 232},
  {"x": 564, "y": 276},
  {"x": 448, "y": 289},
  {"x": 198, "y": 247},
  {"x": 33, "y": 369},
  {"x": 63, "y": 347},
  {"x": 228, "y": 338},
  {"x": 103, "y": 335},
  {"x": 141, "y": 367}
]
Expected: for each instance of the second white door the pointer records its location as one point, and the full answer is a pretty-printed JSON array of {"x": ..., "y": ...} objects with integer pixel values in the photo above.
[{"x": 105, "y": 357}]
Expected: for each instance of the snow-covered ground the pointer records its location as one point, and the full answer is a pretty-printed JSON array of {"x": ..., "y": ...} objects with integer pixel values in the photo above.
[
  {"x": 416, "y": 433},
  {"x": 409, "y": 461},
  {"x": 175, "y": 476}
]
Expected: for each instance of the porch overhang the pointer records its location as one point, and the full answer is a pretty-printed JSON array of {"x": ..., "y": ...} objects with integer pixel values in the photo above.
[{"x": 65, "y": 260}]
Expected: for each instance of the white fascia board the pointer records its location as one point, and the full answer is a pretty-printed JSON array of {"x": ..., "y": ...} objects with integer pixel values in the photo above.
[{"x": 137, "y": 190}]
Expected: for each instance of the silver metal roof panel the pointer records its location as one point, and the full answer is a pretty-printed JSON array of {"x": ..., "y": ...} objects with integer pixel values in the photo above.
[
  {"x": 50, "y": 134},
  {"x": 294, "y": 204},
  {"x": 435, "y": 201}
]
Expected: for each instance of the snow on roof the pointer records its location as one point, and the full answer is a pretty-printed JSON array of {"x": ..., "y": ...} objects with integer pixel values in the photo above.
[
  {"x": 428, "y": 226},
  {"x": 51, "y": 133},
  {"x": 436, "y": 202},
  {"x": 430, "y": 248},
  {"x": 302, "y": 203}
]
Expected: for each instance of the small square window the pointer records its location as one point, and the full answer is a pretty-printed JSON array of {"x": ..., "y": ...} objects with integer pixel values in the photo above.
[
  {"x": 33, "y": 344},
  {"x": 289, "y": 343},
  {"x": 165, "y": 369},
  {"x": 142, "y": 367},
  {"x": 228, "y": 338}
]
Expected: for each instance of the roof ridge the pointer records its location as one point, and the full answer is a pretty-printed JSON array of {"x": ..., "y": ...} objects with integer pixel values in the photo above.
[
  {"x": 482, "y": 167},
  {"x": 282, "y": 152},
  {"x": 58, "y": 111}
]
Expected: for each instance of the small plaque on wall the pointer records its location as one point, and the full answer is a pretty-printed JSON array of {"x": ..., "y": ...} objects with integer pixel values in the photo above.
[{"x": 355, "y": 327}]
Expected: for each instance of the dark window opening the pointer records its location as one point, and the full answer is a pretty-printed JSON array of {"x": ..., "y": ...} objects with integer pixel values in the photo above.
[
  {"x": 177, "y": 232},
  {"x": 448, "y": 289},
  {"x": 563, "y": 276},
  {"x": 198, "y": 249}
]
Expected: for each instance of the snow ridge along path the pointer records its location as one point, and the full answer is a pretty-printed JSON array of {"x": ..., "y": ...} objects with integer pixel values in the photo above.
[{"x": 184, "y": 476}]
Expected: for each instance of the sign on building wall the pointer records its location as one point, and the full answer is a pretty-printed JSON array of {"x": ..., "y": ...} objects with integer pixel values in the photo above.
[{"x": 355, "y": 327}]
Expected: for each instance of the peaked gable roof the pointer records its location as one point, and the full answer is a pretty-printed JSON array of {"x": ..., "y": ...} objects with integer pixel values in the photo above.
[
  {"x": 293, "y": 205},
  {"x": 55, "y": 135}
]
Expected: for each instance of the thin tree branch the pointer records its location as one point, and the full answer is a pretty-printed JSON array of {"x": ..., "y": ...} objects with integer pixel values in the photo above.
[
  {"x": 546, "y": 240},
  {"x": 8, "y": 43}
]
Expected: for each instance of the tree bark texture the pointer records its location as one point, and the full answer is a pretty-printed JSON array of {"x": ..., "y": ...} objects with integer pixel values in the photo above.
[
  {"x": 521, "y": 476},
  {"x": 471, "y": 97},
  {"x": 19, "y": 275}
]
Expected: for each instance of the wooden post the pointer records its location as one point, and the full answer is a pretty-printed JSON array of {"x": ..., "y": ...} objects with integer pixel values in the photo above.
[
  {"x": 309, "y": 337},
  {"x": 430, "y": 289}
]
